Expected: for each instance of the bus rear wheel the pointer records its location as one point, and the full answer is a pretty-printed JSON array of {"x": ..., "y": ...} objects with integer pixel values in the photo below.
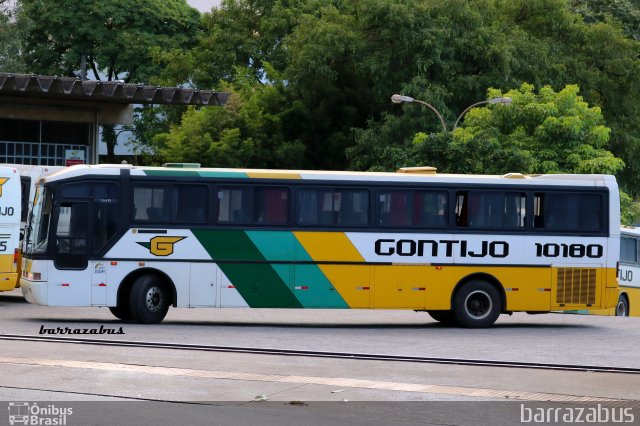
[
  {"x": 149, "y": 300},
  {"x": 121, "y": 312},
  {"x": 622, "y": 308},
  {"x": 477, "y": 305},
  {"x": 444, "y": 317}
]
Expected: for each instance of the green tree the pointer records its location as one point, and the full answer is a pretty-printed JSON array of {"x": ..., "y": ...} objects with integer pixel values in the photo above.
[
  {"x": 623, "y": 12},
  {"x": 245, "y": 133},
  {"x": 465, "y": 47},
  {"x": 543, "y": 132},
  {"x": 10, "y": 58},
  {"x": 339, "y": 62},
  {"x": 114, "y": 38}
]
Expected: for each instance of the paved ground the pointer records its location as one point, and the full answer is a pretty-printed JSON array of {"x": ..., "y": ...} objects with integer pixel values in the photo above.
[{"x": 268, "y": 389}]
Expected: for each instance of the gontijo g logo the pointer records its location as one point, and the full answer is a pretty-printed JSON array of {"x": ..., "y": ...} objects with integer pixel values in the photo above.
[
  {"x": 161, "y": 246},
  {"x": 2, "y": 182}
]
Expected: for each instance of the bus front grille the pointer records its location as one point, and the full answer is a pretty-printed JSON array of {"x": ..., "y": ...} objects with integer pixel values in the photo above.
[{"x": 576, "y": 286}]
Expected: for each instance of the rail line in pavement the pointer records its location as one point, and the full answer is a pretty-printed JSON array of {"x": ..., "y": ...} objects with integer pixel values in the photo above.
[{"x": 322, "y": 354}]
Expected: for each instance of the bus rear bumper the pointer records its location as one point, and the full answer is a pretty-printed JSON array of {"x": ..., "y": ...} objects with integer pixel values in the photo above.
[
  {"x": 34, "y": 291},
  {"x": 8, "y": 281}
]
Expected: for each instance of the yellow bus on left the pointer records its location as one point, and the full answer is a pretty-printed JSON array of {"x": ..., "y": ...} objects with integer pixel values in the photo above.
[{"x": 10, "y": 213}]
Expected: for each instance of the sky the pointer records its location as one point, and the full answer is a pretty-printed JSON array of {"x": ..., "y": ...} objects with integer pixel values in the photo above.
[{"x": 203, "y": 5}]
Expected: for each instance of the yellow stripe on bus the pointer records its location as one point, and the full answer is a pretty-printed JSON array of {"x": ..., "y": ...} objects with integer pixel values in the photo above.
[
  {"x": 268, "y": 175},
  {"x": 353, "y": 282},
  {"x": 8, "y": 280}
]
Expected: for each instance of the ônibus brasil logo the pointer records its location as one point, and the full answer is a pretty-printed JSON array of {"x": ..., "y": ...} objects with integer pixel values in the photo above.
[
  {"x": 161, "y": 246},
  {"x": 26, "y": 413}
]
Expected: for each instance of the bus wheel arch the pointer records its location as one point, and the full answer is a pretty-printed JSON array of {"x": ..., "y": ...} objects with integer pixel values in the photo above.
[
  {"x": 478, "y": 300},
  {"x": 143, "y": 284},
  {"x": 622, "y": 307}
]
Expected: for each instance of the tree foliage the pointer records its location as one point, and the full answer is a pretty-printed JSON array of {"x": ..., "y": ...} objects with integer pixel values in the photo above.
[
  {"x": 543, "y": 132},
  {"x": 10, "y": 54},
  {"x": 247, "y": 132},
  {"x": 312, "y": 79},
  {"x": 114, "y": 38}
]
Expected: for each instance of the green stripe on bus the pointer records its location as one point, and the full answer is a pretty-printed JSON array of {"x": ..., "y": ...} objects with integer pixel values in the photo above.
[
  {"x": 307, "y": 282},
  {"x": 258, "y": 283},
  {"x": 223, "y": 174},
  {"x": 172, "y": 172},
  {"x": 195, "y": 173}
]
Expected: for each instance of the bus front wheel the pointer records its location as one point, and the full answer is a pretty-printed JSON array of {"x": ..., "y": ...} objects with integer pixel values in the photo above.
[
  {"x": 477, "y": 305},
  {"x": 622, "y": 308},
  {"x": 149, "y": 300}
]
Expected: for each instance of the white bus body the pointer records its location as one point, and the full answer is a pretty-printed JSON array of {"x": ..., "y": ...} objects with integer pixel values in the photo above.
[{"x": 463, "y": 248}]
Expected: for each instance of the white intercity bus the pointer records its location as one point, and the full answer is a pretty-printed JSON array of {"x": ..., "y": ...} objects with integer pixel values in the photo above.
[
  {"x": 29, "y": 174},
  {"x": 463, "y": 248},
  {"x": 629, "y": 275}
]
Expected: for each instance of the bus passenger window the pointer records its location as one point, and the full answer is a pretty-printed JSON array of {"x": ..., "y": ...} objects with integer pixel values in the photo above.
[
  {"x": 352, "y": 207},
  {"x": 561, "y": 211},
  {"x": 191, "y": 203},
  {"x": 315, "y": 207},
  {"x": 150, "y": 204},
  {"x": 271, "y": 206},
  {"x": 346, "y": 207},
  {"x": 394, "y": 208},
  {"x": 234, "y": 205},
  {"x": 491, "y": 209},
  {"x": 430, "y": 209},
  {"x": 628, "y": 250}
]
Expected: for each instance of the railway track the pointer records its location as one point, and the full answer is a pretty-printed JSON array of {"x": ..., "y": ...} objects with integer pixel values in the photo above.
[{"x": 321, "y": 354}]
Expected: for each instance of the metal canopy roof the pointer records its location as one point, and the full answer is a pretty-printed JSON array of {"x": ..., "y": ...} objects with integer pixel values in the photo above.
[{"x": 70, "y": 88}]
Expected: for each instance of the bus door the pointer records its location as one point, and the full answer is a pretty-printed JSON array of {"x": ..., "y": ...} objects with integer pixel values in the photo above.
[{"x": 71, "y": 253}]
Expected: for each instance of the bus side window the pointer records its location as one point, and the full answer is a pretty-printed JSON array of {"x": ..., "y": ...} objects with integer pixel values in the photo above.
[
  {"x": 462, "y": 209},
  {"x": 191, "y": 203},
  {"x": 150, "y": 203},
  {"x": 234, "y": 204},
  {"x": 393, "y": 208},
  {"x": 562, "y": 211},
  {"x": 271, "y": 205},
  {"x": 628, "y": 250},
  {"x": 430, "y": 209}
]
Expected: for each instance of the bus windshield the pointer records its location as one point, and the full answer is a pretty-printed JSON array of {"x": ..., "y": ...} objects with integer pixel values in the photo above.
[{"x": 38, "y": 228}]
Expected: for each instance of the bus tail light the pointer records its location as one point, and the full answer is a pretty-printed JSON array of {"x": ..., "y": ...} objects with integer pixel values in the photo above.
[{"x": 16, "y": 256}]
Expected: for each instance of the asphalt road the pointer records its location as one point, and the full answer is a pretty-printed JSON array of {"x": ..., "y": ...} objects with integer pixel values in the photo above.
[{"x": 161, "y": 386}]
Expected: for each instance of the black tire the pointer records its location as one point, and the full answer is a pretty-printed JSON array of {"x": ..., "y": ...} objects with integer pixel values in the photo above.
[
  {"x": 444, "y": 317},
  {"x": 477, "y": 304},
  {"x": 149, "y": 300},
  {"x": 622, "y": 308},
  {"x": 121, "y": 312}
]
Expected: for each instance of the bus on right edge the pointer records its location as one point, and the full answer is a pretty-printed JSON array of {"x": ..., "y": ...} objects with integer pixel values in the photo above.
[{"x": 629, "y": 273}]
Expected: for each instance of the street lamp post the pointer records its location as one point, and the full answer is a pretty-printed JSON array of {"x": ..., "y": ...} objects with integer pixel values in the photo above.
[
  {"x": 500, "y": 100},
  {"x": 398, "y": 99}
]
